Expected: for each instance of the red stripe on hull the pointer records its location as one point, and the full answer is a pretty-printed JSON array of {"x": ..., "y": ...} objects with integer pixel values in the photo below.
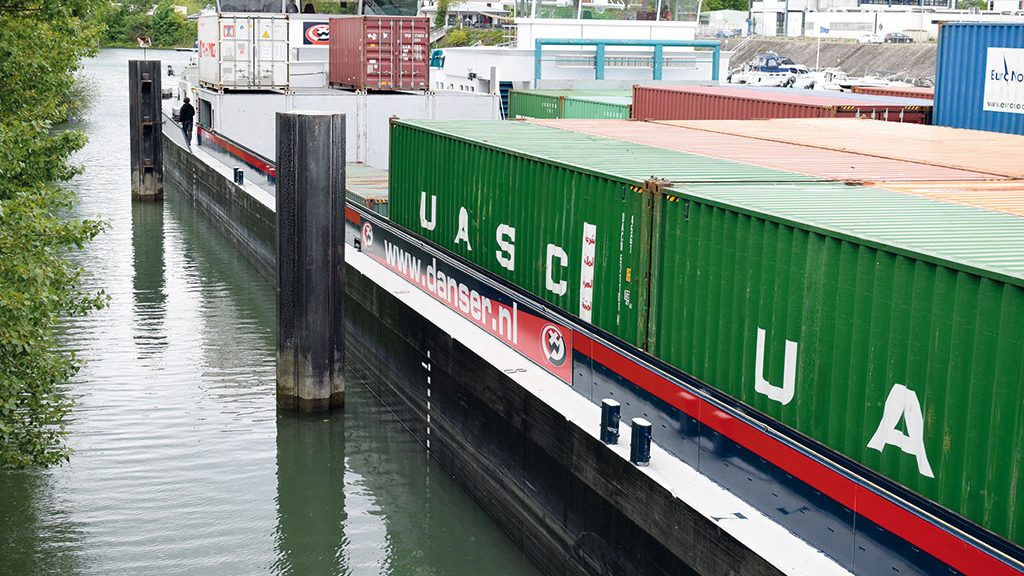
[
  {"x": 242, "y": 155},
  {"x": 923, "y": 534}
]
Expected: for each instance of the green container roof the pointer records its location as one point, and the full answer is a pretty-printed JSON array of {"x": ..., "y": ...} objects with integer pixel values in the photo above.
[
  {"x": 603, "y": 156},
  {"x": 981, "y": 241}
]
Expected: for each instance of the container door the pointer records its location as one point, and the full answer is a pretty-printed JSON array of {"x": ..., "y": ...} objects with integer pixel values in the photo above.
[
  {"x": 411, "y": 58},
  {"x": 236, "y": 52},
  {"x": 209, "y": 50},
  {"x": 271, "y": 53},
  {"x": 379, "y": 50}
]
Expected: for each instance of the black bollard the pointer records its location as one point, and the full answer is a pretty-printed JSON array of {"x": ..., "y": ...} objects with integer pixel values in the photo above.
[
  {"x": 610, "y": 421},
  {"x": 310, "y": 260},
  {"x": 640, "y": 443},
  {"x": 145, "y": 131}
]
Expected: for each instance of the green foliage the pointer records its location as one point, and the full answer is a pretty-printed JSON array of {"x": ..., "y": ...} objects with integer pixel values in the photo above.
[
  {"x": 968, "y": 4},
  {"x": 470, "y": 37},
  {"x": 455, "y": 37},
  {"x": 712, "y": 5},
  {"x": 39, "y": 285},
  {"x": 441, "y": 18},
  {"x": 164, "y": 27}
]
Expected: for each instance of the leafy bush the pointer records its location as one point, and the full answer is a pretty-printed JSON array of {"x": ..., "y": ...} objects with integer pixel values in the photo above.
[{"x": 39, "y": 285}]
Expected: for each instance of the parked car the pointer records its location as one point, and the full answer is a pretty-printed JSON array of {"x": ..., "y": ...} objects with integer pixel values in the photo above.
[
  {"x": 870, "y": 39},
  {"x": 897, "y": 38},
  {"x": 725, "y": 34}
]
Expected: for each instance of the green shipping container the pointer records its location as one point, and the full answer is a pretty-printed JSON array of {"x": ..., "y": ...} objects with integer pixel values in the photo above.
[
  {"x": 600, "y": 104},
  {"x": 887, "y": 326}
]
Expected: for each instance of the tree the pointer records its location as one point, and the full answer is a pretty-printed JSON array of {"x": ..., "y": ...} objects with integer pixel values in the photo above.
[
  {"x": 441, "y": 18},
  {"x": 43, "y": 45}
]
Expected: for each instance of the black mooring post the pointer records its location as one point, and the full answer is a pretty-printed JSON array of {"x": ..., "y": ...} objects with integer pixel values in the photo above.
[
  {"x": 640, "y": 442},
  {"x": 310, "y": 260},
  {"x": 610, "y": 410},
  {"x": 145, "y": 129}
]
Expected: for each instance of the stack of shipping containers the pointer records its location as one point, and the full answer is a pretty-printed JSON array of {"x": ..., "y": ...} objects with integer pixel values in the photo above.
[
  {"x": 661, "y": 102},
  {"x": 769, "y": 271}
]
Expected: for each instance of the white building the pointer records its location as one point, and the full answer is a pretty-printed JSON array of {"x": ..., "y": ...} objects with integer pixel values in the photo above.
[{"x": 852, "y": 19}]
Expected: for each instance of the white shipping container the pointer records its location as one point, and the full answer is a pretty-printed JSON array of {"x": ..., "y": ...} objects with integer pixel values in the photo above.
[{"x": 243, "y": 53}]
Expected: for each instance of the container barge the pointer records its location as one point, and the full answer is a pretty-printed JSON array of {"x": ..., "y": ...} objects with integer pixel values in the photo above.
[
  {"x": 710, "y": 292},
  {"x": 848, "y": 316}
]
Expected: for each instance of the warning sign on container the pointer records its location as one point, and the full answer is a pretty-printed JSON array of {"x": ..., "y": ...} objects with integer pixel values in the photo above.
[{"x": 1004, "y": 80}]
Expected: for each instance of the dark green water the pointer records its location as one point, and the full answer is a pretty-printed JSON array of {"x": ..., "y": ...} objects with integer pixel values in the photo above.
[{"x": 182, "y": 465}]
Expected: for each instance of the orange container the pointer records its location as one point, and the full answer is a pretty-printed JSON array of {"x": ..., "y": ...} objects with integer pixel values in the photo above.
[
  {"x": 900, "y": 92},
  {"x": 974, "y": 150},
  {"x": 1002, "y": 196},
  {"x": 827, "y": 164}
]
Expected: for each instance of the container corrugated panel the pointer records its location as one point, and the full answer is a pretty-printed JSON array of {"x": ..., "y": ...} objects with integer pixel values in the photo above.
[
  {"x": 869, "y": 300},
  {"x": 606, "y": 107},
  {"x": 570, "y": 104},
  {"x": 1000, "y": 195},
  {"x": 534, "y": 104},
  {"x": 562, "y": 180},
  {"x": 818, "y": 162},
  {"x": 825, "y": 306},
  {"x": 973, "y": 58},
  {"x": 973, "y": 150},
  {"x": 729, "y": 103},
  {"x": 900, "y": 91},
  {"x": 380, "y": 52}
]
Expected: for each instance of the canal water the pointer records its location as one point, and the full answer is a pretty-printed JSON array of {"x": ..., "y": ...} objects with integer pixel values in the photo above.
[{"x": 181, "y": 464}]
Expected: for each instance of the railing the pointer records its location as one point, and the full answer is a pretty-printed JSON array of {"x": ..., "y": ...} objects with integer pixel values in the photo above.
[{"x": 658, "y": 62}]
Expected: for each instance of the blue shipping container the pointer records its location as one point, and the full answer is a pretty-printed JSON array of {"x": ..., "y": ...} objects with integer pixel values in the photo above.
[{"x": 979, "y": 77}]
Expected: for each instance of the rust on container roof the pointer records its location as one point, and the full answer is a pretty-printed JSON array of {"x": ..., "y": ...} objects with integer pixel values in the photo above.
[
  {"x": 663, "y": 102},
  {"x": 1000, "y": 195},
  {"x": 989, "y": 152},
  {"x": 831, "y": 164}
]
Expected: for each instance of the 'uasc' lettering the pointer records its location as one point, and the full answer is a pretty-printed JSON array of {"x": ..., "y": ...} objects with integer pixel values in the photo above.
[
  {"x": 505, "y": 235},
  {"x": 902, "y": 404},
  {"x": 781, "y": 394}
]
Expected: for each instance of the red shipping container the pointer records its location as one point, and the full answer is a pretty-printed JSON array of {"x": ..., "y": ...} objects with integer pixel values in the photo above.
[
  {"x": 380, "y": 53},
  {"x": 900, "y": 92},
  {"x": 724, "y": 103}
]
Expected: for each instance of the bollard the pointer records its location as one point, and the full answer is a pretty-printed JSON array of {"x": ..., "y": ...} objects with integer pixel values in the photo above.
[
  {"x": 310, "y": 260},
  {"x": 640, "y": 443},
  {"x": 610, "y": 421},
  {"x": 145, "y": 119}
]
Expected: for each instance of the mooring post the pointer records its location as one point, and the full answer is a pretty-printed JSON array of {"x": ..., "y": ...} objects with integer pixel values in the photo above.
[
  {"x": 310, "y": 260},
  {"x": 145, "y": 129},
  {"x": 610, "y": 415},
  {"x": 640, "y": 442}
]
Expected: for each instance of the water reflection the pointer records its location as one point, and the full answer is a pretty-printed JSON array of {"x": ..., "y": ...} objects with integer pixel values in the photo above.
[
  {"x": 36, "y": 535},
  {"x": 148, "y": 294},
  {"x": 310, "y": 494}
]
